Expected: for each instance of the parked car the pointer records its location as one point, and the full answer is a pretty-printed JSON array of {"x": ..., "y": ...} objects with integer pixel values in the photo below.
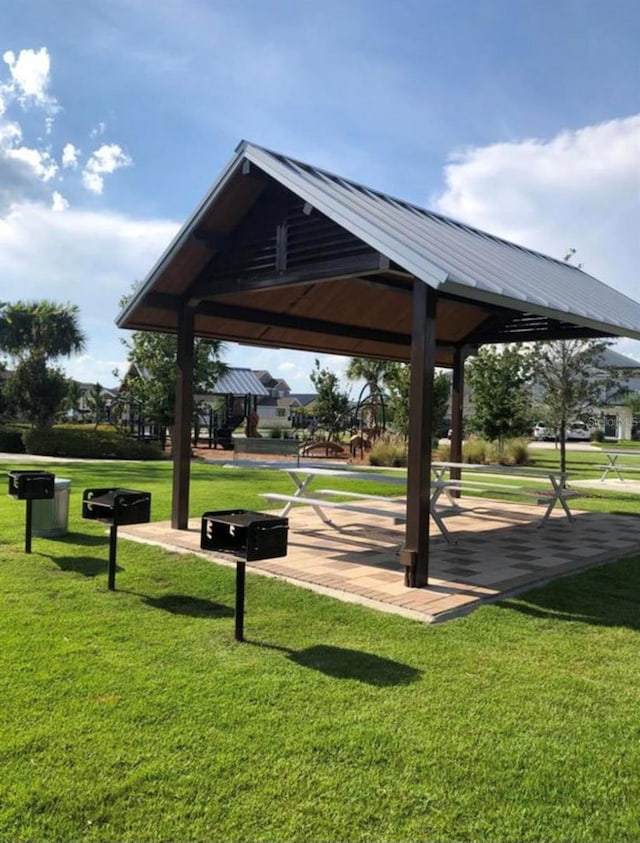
[
  {"x": 541, "y": 432},
  {"x": 576, "y": 431}
]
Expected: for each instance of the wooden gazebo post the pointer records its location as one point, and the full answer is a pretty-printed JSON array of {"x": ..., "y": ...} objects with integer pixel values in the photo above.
[
  {"x": 457, "y": 408},
  {"x": 415, "y": 554},
  {"x": 181, "y": 440}
]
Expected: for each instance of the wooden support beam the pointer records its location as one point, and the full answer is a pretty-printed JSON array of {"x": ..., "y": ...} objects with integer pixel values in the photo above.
[
  {"x": 181, "y": 437},
  {"x": 270, "y": 318},
  {"x": 415, "y": 554},
  {"x": 331, "y": 270}
]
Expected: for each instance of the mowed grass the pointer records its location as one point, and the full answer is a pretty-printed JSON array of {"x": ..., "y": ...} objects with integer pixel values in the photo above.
[{"x": 134, "y": 715}]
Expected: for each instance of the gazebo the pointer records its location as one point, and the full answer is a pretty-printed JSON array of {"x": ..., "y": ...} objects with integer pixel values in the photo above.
[{"x": 282, "y": 254}]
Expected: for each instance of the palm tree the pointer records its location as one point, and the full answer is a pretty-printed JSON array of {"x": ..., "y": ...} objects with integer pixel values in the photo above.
[
  {"x": 73, "y": 398},
  {"x": 34, "y": 334},
  {"x": 375, "y": 374},
  {"x": 97, "y": 403}
]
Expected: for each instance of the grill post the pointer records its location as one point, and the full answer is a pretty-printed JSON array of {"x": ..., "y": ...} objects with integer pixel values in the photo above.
[
  {"x": 239, "y": 613},
  {"x": 27, "y": 525},
  {"x": 113, "y": 549}
]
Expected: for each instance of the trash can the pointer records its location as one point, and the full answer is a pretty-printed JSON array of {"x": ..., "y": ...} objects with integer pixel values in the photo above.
[{"x": 51, "y": 517}]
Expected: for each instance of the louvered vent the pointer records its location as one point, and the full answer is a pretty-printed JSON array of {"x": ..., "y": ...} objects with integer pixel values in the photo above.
[{"x": 314, "y": 237}]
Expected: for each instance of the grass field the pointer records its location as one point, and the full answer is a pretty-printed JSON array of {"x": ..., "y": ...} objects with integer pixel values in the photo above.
[{"x": 134, "y": 716}]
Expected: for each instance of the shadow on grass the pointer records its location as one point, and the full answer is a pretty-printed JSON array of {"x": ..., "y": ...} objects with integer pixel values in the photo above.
[
  {"x": 342, "y": 663},
  {"x": 183, "y": 604},
  {"x": 88, "y": 566},
  {"x": 82, "y": 540},
  {"x": 604, "y": 596}
]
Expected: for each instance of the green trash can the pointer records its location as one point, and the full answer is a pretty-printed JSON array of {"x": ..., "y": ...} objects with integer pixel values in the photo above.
[{"x": 50, "y": 518}]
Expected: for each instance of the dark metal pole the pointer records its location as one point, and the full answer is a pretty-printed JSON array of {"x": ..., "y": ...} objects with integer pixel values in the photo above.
[
  {"x": 457, "y": 407},
  {"x": 113, "y": 545},
  {"x": 27, "y": 526},
  {"x": 239, "y": 614},
  {"x": 415, "y": 554},
  {"x": 181, "y": 442}
]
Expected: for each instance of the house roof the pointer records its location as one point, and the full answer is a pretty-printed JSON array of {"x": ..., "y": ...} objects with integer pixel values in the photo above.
[
  {"x": 304, "y": 398},
  {"x": 236, "y": 381},
  {"x": 614, "y": 360},
  {"x": 284, "y": 254}
]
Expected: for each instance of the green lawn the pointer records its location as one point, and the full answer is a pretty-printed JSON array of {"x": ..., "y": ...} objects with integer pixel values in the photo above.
[{"x": 134, "y": 716}]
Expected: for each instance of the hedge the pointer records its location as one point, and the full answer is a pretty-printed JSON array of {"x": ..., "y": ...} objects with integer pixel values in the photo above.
[
  {"x": 11, "y": 440},
  {"x": 88, "y": 444}
]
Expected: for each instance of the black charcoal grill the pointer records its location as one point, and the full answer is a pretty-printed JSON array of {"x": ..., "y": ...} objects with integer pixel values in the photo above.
[
  {"x": 31, "y": 486},
  {"x": 116, "y": 507}
]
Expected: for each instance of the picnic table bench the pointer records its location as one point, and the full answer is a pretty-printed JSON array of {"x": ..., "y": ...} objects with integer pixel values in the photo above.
[{"x": 615, "y": 466}]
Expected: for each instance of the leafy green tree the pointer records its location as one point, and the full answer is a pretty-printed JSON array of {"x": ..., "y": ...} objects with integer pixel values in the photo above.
[
  {"x": 399, "y": 383},
  {"x": 375, "y": 374},
  {"x": 499, "y": 381},
  {"x": 36, "y": 391},
  {"x": 97, "y": 403},
  {"x": 332, "y": 407},
  {"x": 73, "y": 398},
  {"x": 568, "y": 372},
  {"x": 151, "y": 381},
  {"x": 34, "y": 334}
]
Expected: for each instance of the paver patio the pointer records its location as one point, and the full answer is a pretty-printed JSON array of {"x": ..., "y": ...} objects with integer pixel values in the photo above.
[{"x": 498, "y": 551}]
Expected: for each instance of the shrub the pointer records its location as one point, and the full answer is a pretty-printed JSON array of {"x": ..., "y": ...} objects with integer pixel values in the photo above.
[
  {"x": 597, "y": 435},
  {"x": 390, "y": 451},
  {"x": 275, "y": 433},
  {"x": 11, "y": 441},
  {"x": 475, "y": 451},
  {"x": 517, "y": 451},
  {"x": 443, "y": 452},
  {"x": 88, "y": 444}
]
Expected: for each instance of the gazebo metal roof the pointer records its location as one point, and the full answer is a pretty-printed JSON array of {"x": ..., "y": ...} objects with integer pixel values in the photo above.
[{"x": 294, "y": 256}]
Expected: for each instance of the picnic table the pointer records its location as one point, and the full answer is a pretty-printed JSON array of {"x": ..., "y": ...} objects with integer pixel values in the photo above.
[
  {"x": 613, "y": 464},
  {"x": 550, "y": 486},
  {"x": 550, "y": 489},
  {"x": 359, "y": 502}
]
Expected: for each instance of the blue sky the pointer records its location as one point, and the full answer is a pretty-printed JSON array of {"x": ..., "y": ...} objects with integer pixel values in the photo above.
[{"x": 115, "y": 117}]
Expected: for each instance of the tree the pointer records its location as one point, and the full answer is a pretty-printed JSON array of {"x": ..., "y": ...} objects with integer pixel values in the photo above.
[
  {"x": 332, "y": 407},
  {"x": 375, "y": 374},
  {"x": 35, "y": 391},
  {"x": 73, "y": 398},
  {"x": 498, "y": 380},
  {"x": 97, "y": 403},
  {"x": 567, "y": 373},
  {"x": 34, "y": 334},
  {"x": 151, "y": 383},
  {"x": 399, "y": 385}
]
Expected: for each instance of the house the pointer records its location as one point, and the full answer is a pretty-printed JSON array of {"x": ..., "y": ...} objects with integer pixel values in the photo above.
[
  {"x": 616, "y": 416},
  {"x": 280, "y": 409}
]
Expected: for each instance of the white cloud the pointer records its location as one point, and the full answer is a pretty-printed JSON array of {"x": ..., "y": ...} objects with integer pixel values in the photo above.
[
  {"x": 98, "y": 130},
  {"x": 90, "y": 259},
  {"x": 58, "y": 202},
  {"x": 70, "y": 156},
  {"x": 39, "y": 161},
  {"x": 580, "y": 189},
  {"x": 107, "y": 159},
  {"x": 30, "y": 76}
]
